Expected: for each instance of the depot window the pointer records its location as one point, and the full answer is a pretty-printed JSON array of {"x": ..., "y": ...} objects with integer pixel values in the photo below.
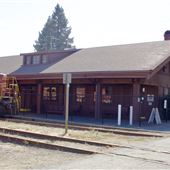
[
  {"x": 80, "y": 94},
  {"x": 46, "y": 93},
  {"x": 28, "y": 60},
  {"x": 53, "y": 93},
  {"x": 107, "y": 95},
  {"x": 36, "y": 59},
  {"x": 44, "y": 59}
]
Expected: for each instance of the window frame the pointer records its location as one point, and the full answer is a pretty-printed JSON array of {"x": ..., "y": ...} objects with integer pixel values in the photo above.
[
  {"x": 28, "y": 60},
  {"x": 36, "y": 59},
  {"x": 80, "y": 94},
  {"x": 44, "y": 59},
  {"x": 106, "y": 95}
]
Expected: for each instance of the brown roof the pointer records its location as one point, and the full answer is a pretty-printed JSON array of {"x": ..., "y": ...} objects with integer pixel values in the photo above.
[
  {"x": 140, "y": 57},
  {"x": 9, "y": 64},
  {"x": 131, "y": 57}
]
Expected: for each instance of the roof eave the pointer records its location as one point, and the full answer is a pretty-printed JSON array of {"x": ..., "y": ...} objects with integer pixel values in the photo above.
[{"x": 107, "y": 74}]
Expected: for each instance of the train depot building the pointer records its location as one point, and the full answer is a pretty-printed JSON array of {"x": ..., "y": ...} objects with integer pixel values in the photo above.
[{"x": 135, "y": 75}]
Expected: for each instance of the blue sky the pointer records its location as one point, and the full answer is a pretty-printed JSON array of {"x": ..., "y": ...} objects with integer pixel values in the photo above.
[{"x": 93, "y": 22}]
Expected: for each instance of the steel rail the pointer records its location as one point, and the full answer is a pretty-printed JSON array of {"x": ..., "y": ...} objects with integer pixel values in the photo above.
[
  {"x": 23, "y": 141},
  {"x": 73, "y": 140},
  {"x": 120, "y": 131},
  {"x": 35, "y": 143},
  {"x": 52, "y": 137}
]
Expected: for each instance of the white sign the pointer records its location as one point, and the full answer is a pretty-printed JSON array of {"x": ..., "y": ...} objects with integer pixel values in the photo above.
[
  {"x": 154, "y": 115},
  {"x": 67, "y": 78},
  {"x": 150, "y": 98}
]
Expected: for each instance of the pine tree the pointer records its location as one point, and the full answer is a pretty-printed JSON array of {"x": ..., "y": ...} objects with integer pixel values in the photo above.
[{"x": 55, "y": 34}]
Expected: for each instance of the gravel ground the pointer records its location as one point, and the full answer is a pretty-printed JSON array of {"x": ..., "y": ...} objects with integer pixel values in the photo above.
[
  {"x": 128, "y": 159},
  {"x": 26, "y": 157}
]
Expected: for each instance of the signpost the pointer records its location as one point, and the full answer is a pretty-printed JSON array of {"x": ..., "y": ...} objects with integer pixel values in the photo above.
[{"x": 66, "y": 81}]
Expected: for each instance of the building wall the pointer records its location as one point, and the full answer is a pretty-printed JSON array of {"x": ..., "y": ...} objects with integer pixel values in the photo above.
[
  {"x": 82, "y": 96},
  {"x": 127, "y": 92}
]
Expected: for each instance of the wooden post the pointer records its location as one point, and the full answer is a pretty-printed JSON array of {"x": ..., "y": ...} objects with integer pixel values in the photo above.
[
  {"x": 39, "y": 90},
  {"x": 97, "y": 103}
]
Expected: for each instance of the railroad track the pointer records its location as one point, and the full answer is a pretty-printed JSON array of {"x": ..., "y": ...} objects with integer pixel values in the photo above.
[
  {"x": 52, "y": 138},
  {"x": 76, "y": 145},
  {"x": 53, "y": 142},
  {"x": 157, "y": 161},
  {"x": 120, "y": 131}
]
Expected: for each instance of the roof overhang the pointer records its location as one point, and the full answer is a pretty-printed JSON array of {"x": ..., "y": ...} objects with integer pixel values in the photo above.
[{"x": 118, "y": 74}]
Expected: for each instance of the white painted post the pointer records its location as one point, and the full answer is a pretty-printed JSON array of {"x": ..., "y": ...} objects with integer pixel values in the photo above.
[
  {"x": 131, "y": 116},
  {"x": 119, "y": 114},
  {"x": 165, "y": 104}
]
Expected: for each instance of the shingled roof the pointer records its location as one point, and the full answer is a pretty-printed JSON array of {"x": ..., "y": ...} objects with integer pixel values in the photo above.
[
  {"x": 131, "y": 57},
  {"x": 119, "y": 58},
  {"x": 10, "y": 64}
]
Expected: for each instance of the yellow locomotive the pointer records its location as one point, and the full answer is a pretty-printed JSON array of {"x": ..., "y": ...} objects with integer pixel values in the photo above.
[{"x": 9, "y": 95}]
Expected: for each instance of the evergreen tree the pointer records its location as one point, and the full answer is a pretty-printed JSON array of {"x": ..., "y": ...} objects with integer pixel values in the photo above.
[{"x": 55, "y": 34}]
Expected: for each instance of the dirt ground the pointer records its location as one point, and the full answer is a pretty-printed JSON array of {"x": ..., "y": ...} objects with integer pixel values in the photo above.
[{"x": 25, "y": 157}]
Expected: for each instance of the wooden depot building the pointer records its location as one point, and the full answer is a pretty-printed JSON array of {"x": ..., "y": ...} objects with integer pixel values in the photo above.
[{"x": 102, "y": 77}]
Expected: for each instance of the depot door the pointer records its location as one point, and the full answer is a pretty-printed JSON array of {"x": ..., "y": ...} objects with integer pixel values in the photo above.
[{"x": 28, "y": 98}]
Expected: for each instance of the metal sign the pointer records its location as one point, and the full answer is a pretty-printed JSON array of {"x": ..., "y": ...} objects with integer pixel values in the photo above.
[
  {"x": 150, "y": 98},
  {"x": 67, "y": 78}
]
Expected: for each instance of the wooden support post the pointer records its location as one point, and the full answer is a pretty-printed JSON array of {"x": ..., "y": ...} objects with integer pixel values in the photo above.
[
  {"x": 98, "y": 101},
  {"x": 39, "y": 90}
]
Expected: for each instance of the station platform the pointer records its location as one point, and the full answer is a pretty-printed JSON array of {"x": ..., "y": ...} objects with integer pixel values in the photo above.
[{"x": 163, "y": 127}]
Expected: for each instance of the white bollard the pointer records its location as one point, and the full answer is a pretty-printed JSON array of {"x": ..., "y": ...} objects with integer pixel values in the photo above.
[
  {"x": 131, "y": 116},
  {"x": 119, "y": 114},
  {"x": 165, "y": 104}
]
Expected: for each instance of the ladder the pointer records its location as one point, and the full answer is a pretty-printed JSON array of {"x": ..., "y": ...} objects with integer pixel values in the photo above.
[{"x": 9, "y": 93}]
